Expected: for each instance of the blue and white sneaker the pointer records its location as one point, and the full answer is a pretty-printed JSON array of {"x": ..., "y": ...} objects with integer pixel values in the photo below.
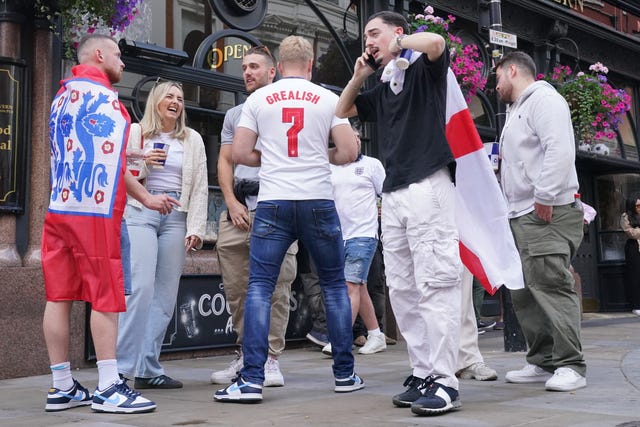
[
  {"x": 120, "y": 399},
  {"x": 240, "y": 391},
  {"x": 58, "y": 400},
  {"x": 350, "y": 384},
  {"x": 436, "y": 399}
]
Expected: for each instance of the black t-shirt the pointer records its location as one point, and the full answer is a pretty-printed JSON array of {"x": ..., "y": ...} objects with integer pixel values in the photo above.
[{"x": 411, "y": 124}]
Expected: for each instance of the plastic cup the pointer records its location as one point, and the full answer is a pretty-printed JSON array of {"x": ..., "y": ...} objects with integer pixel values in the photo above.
[
  {"x": 161, "y": 146},
  {"x": 492, "y": 149},
  {"x": 404, "y": 59},
  {"x": 135, "y": 160}
]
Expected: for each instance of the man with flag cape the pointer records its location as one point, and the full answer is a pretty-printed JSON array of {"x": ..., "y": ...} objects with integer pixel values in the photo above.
[
  {"x": 81, "y": 250},
  {"x": 421, "y": 125}
]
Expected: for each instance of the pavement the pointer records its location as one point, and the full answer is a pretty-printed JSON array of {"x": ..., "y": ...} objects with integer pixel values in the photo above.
[{"x": 612, "y": 398}]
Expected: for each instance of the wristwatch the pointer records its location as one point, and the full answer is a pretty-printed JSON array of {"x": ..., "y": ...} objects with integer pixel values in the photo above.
[{"x": 399, "y": 39}]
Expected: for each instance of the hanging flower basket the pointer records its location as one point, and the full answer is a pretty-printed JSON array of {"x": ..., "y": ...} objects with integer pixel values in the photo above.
[
  {"x": 597, "y": 109},
  {"x": 465, "y": 59},
  {"x": 80, "y": 17}
]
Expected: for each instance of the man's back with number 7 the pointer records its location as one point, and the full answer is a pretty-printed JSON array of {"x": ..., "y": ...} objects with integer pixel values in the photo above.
[{"x": 285, "y": 128}]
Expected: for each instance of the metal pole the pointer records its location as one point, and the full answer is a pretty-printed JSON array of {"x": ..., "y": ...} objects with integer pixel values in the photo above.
[{"x": 513, "y": 336}]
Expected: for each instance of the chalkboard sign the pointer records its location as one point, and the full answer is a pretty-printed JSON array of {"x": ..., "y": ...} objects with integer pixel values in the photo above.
[{"x": 202, "y": 319}]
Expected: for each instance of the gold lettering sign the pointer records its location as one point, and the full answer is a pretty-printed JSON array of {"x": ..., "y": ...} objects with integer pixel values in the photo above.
[
  {"x": 572, "y": 4},
  {"x": 10, "y": 93},
  {"x": 218, "y": 56}
]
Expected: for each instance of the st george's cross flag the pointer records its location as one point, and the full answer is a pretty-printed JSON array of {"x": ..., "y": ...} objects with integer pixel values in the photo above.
[{"x": 487, "y": 247}]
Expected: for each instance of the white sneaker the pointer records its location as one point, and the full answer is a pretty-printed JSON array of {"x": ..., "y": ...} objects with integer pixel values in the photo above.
[
  {"x": 227, "y": 375},
  {"x": 565, "y": 379},
  {"x": 272, "y": 375},
  {"x": 528, "y": 374},
  {"x": 374, "y": 344},
  {"x": 327, "y": 349},
  {"x": 636, "y": 312},
  {"x": 478, "y": 371}
]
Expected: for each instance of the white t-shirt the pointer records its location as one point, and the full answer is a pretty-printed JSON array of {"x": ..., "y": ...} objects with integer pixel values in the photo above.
[
  {"x": 293, "y": 118},
  {"x": 355, "y": 187},
  {"x": 231, "y": 119},
  {"x": 168, "y": 178}
]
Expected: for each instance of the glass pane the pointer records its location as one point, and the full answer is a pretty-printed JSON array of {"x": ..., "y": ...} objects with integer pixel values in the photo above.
[
  {"x": 612, "y": 147},
  {"x": 628, "y": 139},
  {"x": 612, "y": 246},
  {"x": 479, "y": 112},
  {"x": 612, "y": 191}
]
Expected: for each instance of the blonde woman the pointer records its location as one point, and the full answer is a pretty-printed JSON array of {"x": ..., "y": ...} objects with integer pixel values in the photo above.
[{"x": 159, "y": 242}]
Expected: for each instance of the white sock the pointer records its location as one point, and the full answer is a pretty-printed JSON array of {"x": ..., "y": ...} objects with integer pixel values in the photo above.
[
  {"x": 107, "y": 373},
  {"x": 375, "y": 331},
  {"x": 62, "y": 378}
]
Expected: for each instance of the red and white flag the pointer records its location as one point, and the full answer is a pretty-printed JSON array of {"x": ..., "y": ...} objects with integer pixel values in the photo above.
[{"x": 487, "y": 247}]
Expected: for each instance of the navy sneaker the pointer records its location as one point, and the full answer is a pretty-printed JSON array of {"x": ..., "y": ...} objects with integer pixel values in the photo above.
[
  {"x": 120, "y": 399},
  {"x": 318, "y": 338},
  {"x": 161, "y": 381},
  {"x": 240, "y": 391},
  {"x": 350, "y": 384},
  {"x": 58, "y": 400},
  {"x": 411, "y": 394},
  {"x": 436, "y": 399}
]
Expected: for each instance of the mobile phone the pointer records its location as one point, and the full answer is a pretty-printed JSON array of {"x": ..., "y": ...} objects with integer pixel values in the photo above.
[{"x": 371, "y": 62}]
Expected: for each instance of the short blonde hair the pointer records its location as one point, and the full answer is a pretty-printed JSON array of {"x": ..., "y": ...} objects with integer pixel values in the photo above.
[
  {"x": 151, "y": 122},
  {"x": 89, "y": 43},
  {"x": 295, "y": 49}
]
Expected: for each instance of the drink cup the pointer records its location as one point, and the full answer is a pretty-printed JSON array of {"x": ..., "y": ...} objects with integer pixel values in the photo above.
[
  {"x": 161, "y": 146},
  {"x": 404, "y": 59},
  {"x": 135, "y": 160},
  {"x": 492, "y": 149}
]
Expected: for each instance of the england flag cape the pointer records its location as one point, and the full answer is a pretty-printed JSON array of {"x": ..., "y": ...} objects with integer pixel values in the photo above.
[
  {"x": 487, "y": 247},
  {"x": 87, "y": 134},
  {"x": 88, "y": 129}
]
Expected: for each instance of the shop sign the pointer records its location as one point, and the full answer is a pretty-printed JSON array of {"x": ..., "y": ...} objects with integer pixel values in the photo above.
[
  {"x": 223, "y": 51},
  {"x": 572, "y": 4},
  {"x": 503, "y": 39},
  {"x": 12, "y": 137}
]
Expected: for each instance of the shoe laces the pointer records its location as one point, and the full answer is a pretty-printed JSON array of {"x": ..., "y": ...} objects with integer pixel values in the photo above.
[
  {"x": 413, "y": 382},
  {"x": 124, "y": 389},
  {"x": 272, "y": 364},
  {"x": 430, "y": 386}
]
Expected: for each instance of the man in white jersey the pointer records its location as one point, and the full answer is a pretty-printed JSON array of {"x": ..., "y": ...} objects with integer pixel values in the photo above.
[
  {"x": 355, "y": 187},
  {"x": 240, "y": 189},
  {"x": 292, "y": 120}
]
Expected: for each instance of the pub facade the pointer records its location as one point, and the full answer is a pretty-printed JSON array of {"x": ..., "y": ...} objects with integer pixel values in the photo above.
[{"x": 200, "y": 43}]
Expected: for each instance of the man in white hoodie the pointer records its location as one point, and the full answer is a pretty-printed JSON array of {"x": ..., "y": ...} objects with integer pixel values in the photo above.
[{"x": 540, "y": 184}]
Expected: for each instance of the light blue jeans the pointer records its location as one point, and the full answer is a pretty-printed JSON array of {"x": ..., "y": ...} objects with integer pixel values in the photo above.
[
  {"x": 125, "y": 247},
  {"x": 157, "y": 258},
  {"x": 277, "y": 224}
]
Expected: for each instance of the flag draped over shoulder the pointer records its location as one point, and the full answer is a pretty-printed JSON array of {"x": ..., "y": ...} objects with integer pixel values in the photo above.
[
  {"x": 487, "y": 247},
  {"x": 87, "y": 131}
]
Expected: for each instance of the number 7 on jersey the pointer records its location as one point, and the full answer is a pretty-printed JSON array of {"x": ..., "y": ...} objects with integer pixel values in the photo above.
[{"x": 295, "y": 116}]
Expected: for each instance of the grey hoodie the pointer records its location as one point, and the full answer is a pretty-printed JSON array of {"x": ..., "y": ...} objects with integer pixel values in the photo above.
[{"x": 538, "y": 151}]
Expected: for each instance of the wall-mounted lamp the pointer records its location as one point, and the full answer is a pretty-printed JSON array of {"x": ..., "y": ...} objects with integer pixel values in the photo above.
[{"x": 153, "y": 52}]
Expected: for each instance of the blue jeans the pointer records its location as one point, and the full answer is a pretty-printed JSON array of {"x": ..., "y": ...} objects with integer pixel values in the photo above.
[
  {"x": 277, "y": 224},
  {"x": 359, "y": 253},
  {"x": 157, "y": 258},
  {"x": 125, "y": 248}
]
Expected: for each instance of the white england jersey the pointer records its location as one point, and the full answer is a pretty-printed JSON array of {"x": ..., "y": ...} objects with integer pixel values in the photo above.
[
  {"x": 293, "y": 119},
  {"x": 355, "y": 187}
]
